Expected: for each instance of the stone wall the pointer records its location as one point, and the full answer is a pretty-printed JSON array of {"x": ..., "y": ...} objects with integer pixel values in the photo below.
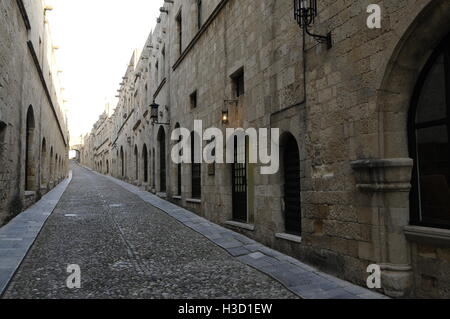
[
  {"x": 347, "y": 108},
  {"x": 29, "y": 90}
]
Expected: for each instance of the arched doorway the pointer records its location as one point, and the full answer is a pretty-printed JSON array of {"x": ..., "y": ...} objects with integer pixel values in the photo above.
[
  {"x": 145, "y": 162},
  {"x": 162, "y": 160},
  {"x": 429, "y": 135},
  {"x": 44, "y": 163},
  {"x": 291, "y": 184},
  {"x": 51, "y": 166},
  {"x": 136, "y": 162},
  {"x": 30, "y": 169}
]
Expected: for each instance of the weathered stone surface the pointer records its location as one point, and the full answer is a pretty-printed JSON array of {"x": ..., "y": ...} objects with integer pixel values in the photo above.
[
  {"x": 354, "y": 110},
  {"x": 33, "y": 133}
]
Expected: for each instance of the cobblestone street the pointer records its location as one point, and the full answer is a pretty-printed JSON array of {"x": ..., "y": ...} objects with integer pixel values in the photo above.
[{"x": 129, "y": 249}]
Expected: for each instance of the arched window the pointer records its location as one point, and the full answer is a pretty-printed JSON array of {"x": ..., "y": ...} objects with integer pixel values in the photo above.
[
  {"x": 196, "y": 168},
  {"x": 162, "y": 160},
  {"x": 145, "y": 162},
  {"x": 136, "y": 162},
  {"x": 429, "y": 129},
  {"x": 30, "y": 178},
  {"x": 291, "y": 185}
]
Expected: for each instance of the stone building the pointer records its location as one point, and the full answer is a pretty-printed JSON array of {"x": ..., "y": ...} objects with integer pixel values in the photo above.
[
  {"x": 364, "y": 151},
  {"x": 33, "y": 132}
]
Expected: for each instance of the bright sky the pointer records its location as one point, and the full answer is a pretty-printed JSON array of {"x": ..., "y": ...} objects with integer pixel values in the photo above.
[{"x": 96, "y": 40}]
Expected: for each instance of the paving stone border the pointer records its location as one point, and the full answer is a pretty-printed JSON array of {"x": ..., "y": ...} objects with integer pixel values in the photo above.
[
  {"x": 17, "y": 237},
  {"x": 303, "y": 280}
]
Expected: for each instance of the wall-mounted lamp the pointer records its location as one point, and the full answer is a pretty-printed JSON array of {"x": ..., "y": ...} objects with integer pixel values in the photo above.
[
  {"x": 225, "y": 118},
  {"x": 154, "y": 114},
  {"x": 305, "y": 13}
]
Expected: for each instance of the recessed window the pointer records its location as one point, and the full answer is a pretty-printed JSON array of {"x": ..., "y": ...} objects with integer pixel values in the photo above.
[
  {"x": 238, "y": 83},
  {"x": 193, "y": 100}
]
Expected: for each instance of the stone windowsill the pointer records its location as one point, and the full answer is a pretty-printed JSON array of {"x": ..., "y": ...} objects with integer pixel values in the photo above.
[
  {"x": 289, "y": 237},
  {"x": 240, "y": 225},
  {"x": 194, "y": 201},
  {"x": 433, "y": 236},
  {"x": 30, "y": 193},
  {"x": 162, "y": 195},
  {"x": 177, "y": 197}
]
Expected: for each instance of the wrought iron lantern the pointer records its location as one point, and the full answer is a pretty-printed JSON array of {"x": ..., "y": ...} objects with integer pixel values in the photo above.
[
  {"x": 305, "y": 13},
  {"x": 225, "y": 117},
  {"x": 154, "y": 109},
  {"x": 154, "y": 114}
]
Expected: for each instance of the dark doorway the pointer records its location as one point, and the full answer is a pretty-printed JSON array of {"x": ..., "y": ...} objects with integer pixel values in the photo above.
[
  {"x": 44, "y": 163},
  {"x": 145, "y": 162},
  {"x": 30, "y": 179},
  {"x": 239, "y": 181},
  {"x": 292, "y": 201},
  {"x": 122, "y": 162},
  {"x": 136, "y": 162},
  {"x": 162, "y": 160}
]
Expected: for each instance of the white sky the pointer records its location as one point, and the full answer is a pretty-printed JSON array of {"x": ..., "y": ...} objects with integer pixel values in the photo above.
[{"x": 96, "y": 40}]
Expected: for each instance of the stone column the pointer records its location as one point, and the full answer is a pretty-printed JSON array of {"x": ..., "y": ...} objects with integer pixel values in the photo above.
[{"x": 387, "y": 184}]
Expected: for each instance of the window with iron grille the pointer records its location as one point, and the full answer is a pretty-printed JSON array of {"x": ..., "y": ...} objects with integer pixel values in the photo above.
[
  {"x": 196, "y": 172},
  {"x": 238, "y": 83}
]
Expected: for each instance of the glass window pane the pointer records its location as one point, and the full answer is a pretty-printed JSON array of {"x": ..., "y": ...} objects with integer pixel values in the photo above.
[
  {"x": 432, "y": 100},
  {"x": 434, "y": 170}
]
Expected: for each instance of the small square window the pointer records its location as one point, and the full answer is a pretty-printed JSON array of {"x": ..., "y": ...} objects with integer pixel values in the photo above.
[{"x": 193, "y": 100}]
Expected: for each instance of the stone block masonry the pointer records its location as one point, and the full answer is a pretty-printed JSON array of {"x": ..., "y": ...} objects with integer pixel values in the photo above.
[
  {"x": 345, "y": 194},
  {"x": 34, "y": 140}
]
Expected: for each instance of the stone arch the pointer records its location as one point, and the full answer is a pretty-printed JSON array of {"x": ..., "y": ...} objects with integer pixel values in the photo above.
[
  {"x": 386, "y": 180},
  {"x": 402, "y": 72},
  {"x": 30, "y": 167}
]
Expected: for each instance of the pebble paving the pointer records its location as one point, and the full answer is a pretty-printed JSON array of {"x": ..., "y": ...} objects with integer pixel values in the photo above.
[{"x": 127, "y": 248}]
